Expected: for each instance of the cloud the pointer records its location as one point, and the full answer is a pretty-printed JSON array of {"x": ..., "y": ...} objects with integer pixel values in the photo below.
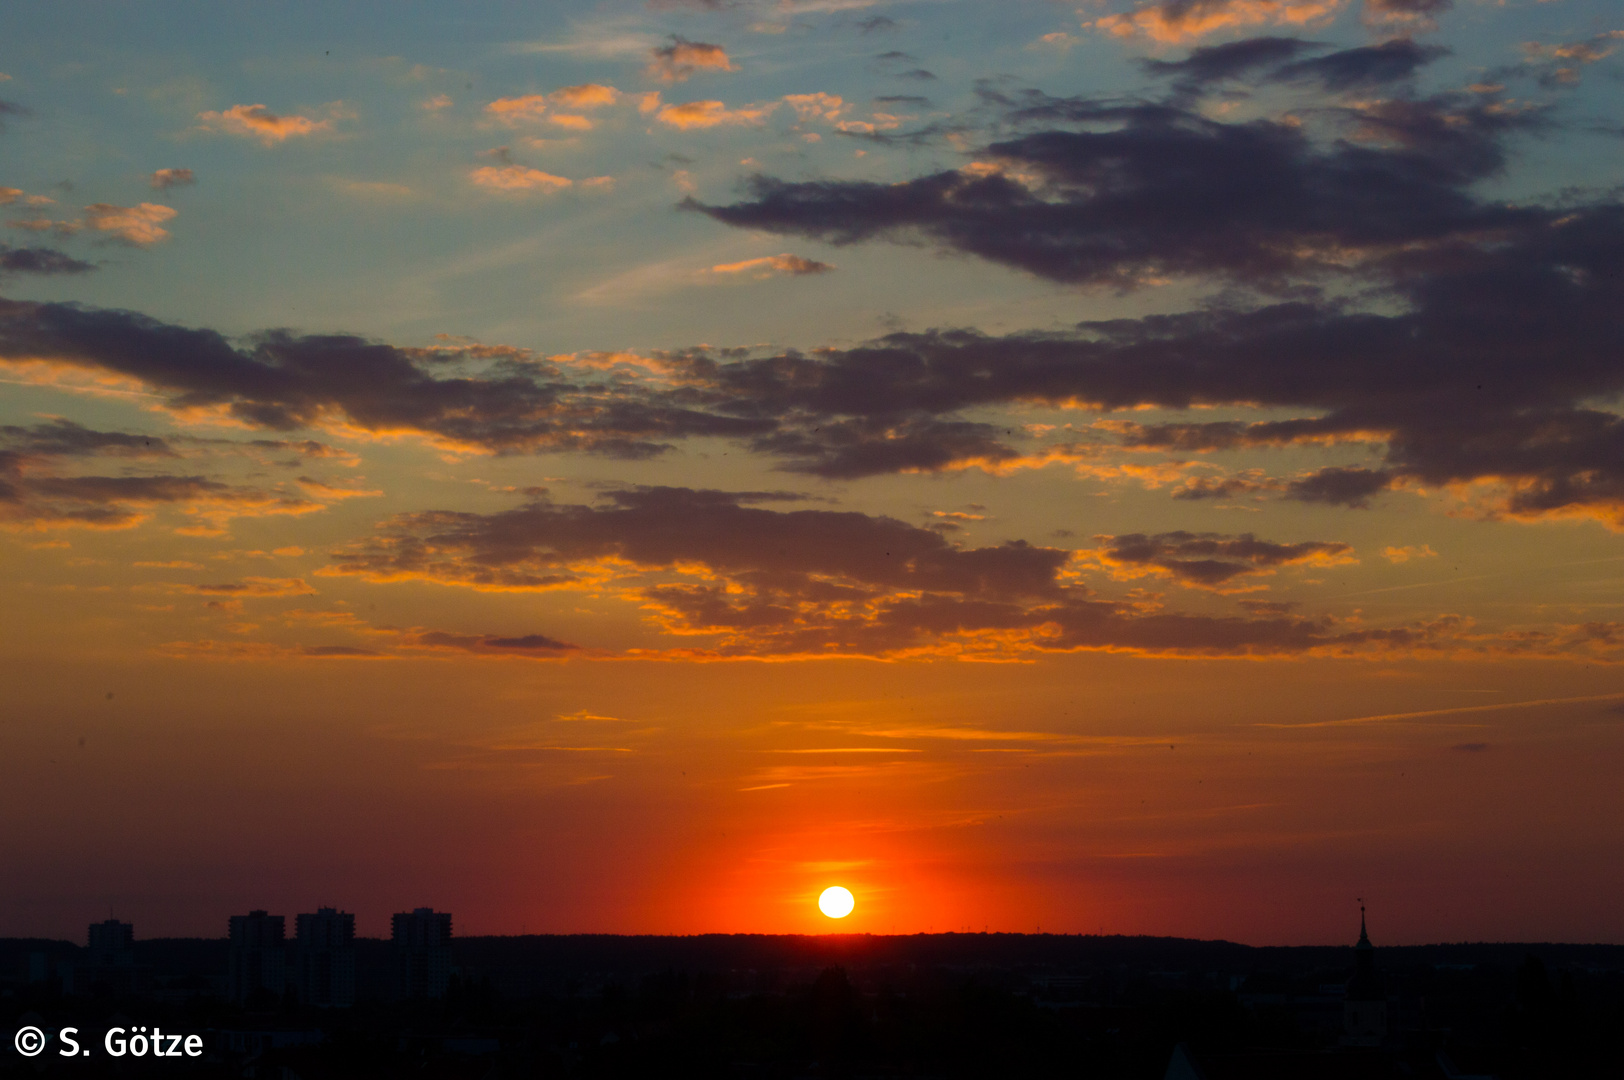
[
  {"x": 1214, "y": 63},
  {"x": 283, "y": 382},
  {"x": 1408, "y": 552},
  {"x": 586, "y": 96},
  {"x": 769, "y": 265},
  {"x": 1161, "y": 191},
  {"x": 516, "y": 178},
  {"x": 1562, "y": 62},
  {"x": 755, "y": 581},
  {"x": 255, "y": 587},
  {"x": 1340, "y": 486},
  {"x": 1414, "y": 15},
  {"x": 531, "y": 645},
  {"x": 259, "y": 122},
  {"x": 1276, "y": 60},
  {"x": 1431, "y": 337},
  {"x": 679, "y": 60},
  {"x": 533, "y": 107},
  {"x": 164, "y": 179},
  {"x": 817, "y": 106},
  {"x": 39, "y": 260},
  {"x": 1213, "y": 560},
  {"x": 10, "y": 108},
  {"x": 139, "y": 226},
  {"x": 35, "y": 494},
  {"x": 1176, "y": 21},
  {"x": 708, "y": 114},
  {"x": 1362, "y": 68}
]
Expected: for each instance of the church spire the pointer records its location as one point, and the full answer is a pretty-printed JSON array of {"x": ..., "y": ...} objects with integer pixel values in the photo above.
[{"x": 1364, "y": 938}]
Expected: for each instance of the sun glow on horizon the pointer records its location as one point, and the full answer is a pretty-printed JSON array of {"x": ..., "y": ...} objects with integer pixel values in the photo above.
[{"x": 836, "y": 902}]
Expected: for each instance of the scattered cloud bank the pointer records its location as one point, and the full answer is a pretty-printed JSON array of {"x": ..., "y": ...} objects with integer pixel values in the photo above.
[
  {"x": 39, "y": 490},
  {"x": 739, "y": 578}
]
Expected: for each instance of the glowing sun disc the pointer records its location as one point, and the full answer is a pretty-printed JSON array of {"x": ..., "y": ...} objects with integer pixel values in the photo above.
[{"x": 836, "y": 902}]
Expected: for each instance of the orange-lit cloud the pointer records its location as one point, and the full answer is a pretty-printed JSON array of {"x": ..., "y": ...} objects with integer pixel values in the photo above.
[
  {"x": 1176, "y": 21},
  {"x": 681, "y": 58},
  {"x": 708, "y": 114},
  {"x": 1210, "y": 560},
  {"x": 259, "y": 122},
  {"x": 517, "y": 178},
  {"x": 536, "y": 107},
  {"x": 138, "y": 225},
  {"x": 742, "y": 580},
  {"x": 170, "y": 178},
  {"x": 769, "y": 265}
]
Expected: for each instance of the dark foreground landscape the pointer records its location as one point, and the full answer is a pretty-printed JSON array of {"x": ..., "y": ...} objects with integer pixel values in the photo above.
[{"x": 751, "y": 1006}]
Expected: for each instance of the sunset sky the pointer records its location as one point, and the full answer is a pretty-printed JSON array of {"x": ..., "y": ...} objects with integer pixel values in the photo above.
[{"x": 1129, "y": 468}]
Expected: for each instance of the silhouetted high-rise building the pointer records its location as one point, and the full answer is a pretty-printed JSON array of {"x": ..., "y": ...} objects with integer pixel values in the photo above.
[
  {"x": 112, "y": 944},
  {"x": 108, "y": 966},
  {"x": 1364, "y": 1009},
  {"x": 324, "y": 958},
  {"x": 422, "y": 952},
  {"x": 258, "y": 955}
]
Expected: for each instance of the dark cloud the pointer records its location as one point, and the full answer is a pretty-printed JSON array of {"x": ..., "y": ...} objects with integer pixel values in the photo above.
[
  {"x": 877, "y": 22},
  {"x": 337, "y": 650},
  {"x": 1228, "y": 487},
  {"x": 1471, "y": 747},
  {"x": 918, "y": 74},
  {"x": 1436, "y": 335},
  {"x": 868, "y": 446},
  {"x": 35, "y": 494},
  {"x": 1214, "y": 63},
  {"x": 902, "y": 99},
  {"x": 1164, "y": 191},
  {"x": 1351, "y": 69},
  {"x": 822, "y": 582},
  {"x": 527, "y": 645},
  {"x": 8, "y": 108},
  {"x": 284, "y": 381},
  {"x": 1276, "y": 60},
  {"x": 64, "y": 438},
  {"x": 1339, "y": 486},
  {"x": 1208, "y": 560},
  {"x": 40, "y": 260}
]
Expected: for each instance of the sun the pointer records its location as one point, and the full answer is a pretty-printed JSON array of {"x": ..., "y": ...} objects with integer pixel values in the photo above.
[{"x": 836, "y": 902}]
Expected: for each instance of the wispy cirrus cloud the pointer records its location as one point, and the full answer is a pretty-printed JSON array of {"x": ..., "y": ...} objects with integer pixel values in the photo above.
[
  {"x": 771, "y": 265},
  {"x": 515, "y": 178}
]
